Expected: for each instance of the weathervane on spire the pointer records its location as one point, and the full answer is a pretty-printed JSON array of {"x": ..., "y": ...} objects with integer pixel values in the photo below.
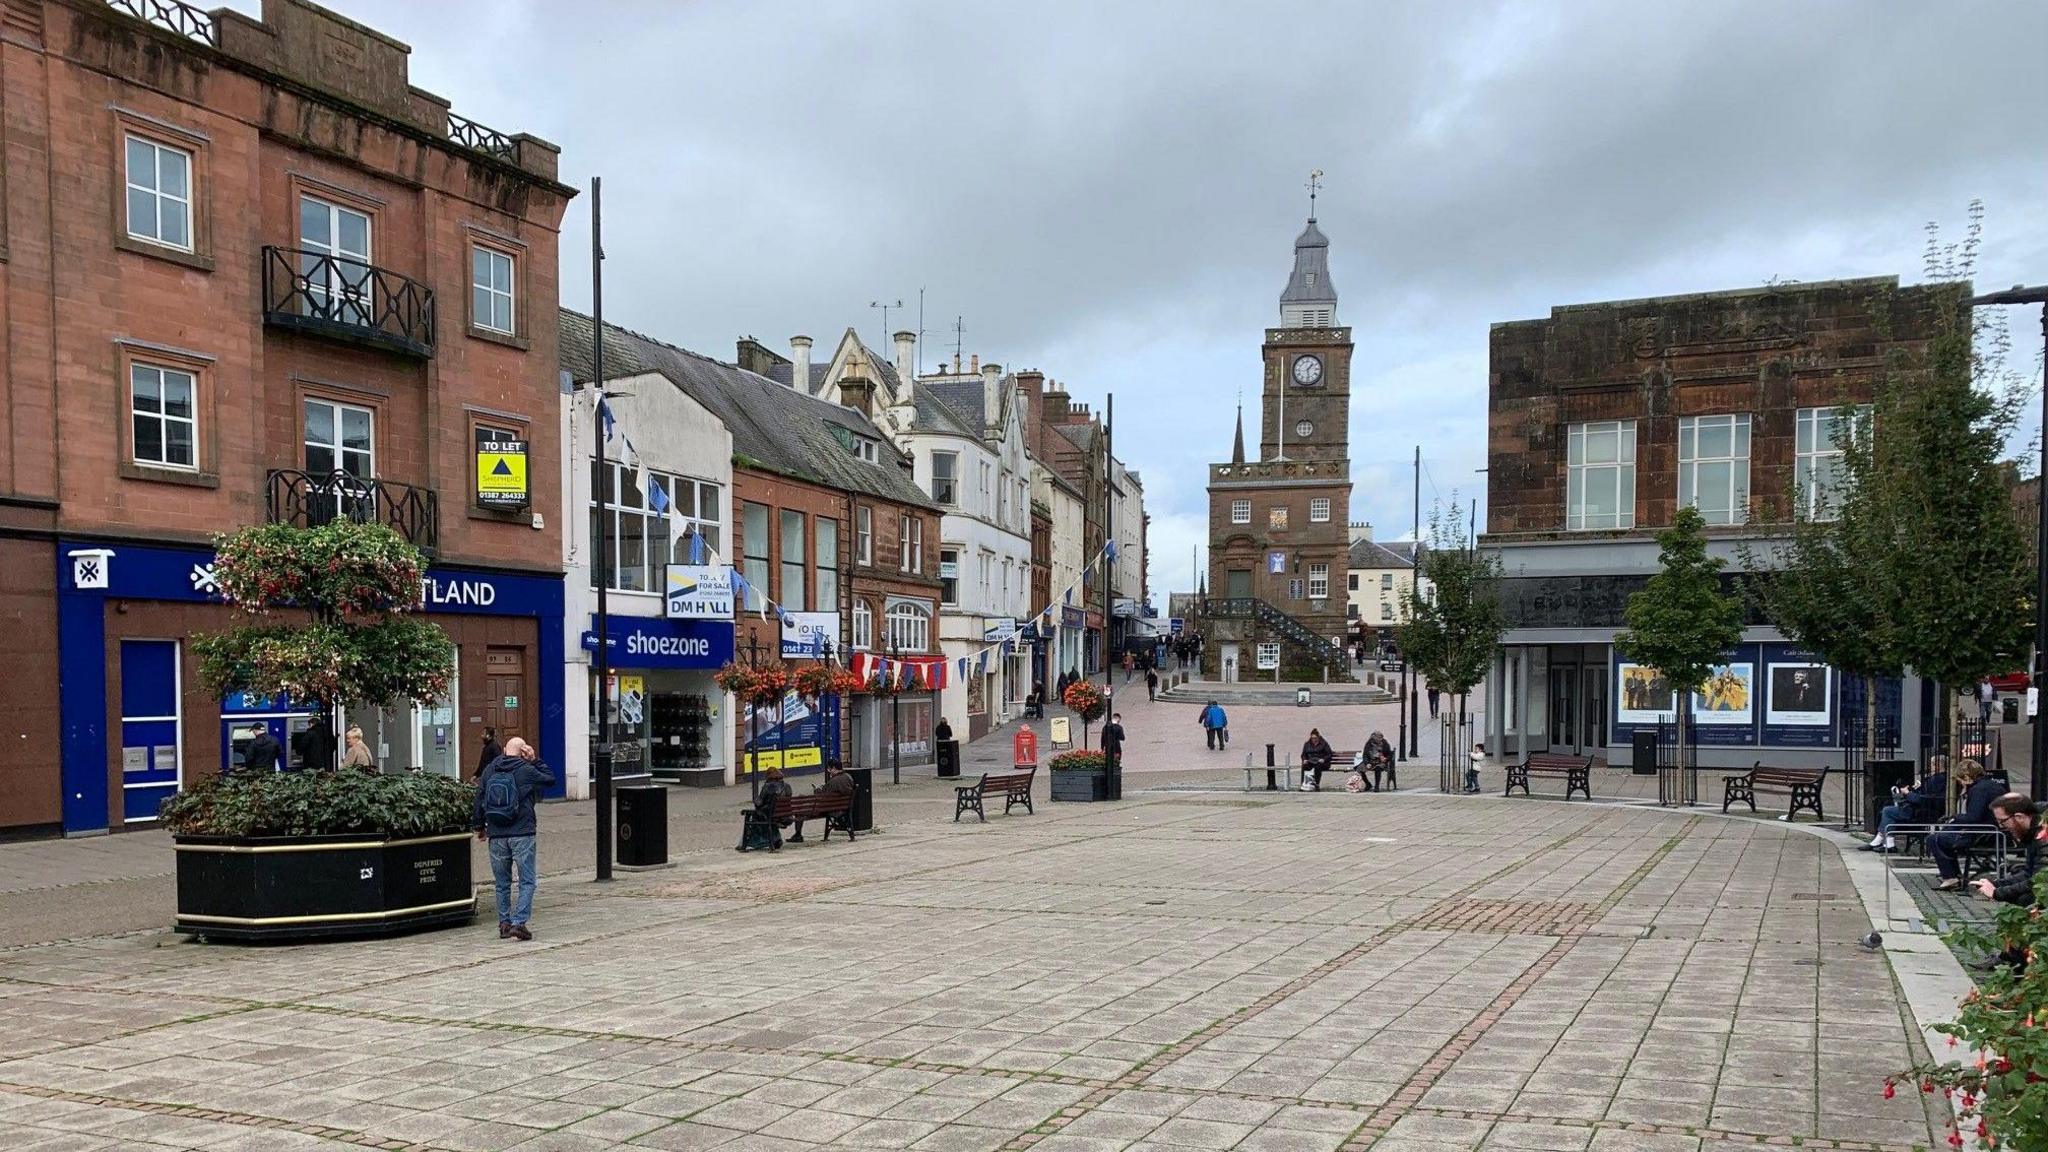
[{"x": 1315, "y": 182}]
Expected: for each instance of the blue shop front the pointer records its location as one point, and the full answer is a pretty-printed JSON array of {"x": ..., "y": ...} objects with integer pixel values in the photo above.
[
  {"x": 667, "y": 717},
  {"x": 137, "y": 726}
]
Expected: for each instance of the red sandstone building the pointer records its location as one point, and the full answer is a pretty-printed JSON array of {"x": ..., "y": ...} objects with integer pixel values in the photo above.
[{"x": 251, "y": 273}]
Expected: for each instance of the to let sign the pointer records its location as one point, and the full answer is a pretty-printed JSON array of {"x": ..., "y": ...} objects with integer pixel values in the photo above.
[{"x": 501, "y": 474}]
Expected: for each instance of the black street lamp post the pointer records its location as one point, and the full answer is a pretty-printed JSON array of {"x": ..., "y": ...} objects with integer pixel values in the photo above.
[{"x": 2035, "y": 295}]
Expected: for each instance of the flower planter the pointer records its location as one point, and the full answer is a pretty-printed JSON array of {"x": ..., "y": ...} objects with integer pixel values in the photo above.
[
  {"x": 1079, "y": 785},
  {"x": 276, "y": 888}
]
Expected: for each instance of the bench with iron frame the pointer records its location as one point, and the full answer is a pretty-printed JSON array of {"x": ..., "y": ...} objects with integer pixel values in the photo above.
[
  {"x": 833, "y": 808},
  {"x": 1014, "y": 786},
  {"x": 1802, "y": 785},
  {"x": 1577, "y": 772}
]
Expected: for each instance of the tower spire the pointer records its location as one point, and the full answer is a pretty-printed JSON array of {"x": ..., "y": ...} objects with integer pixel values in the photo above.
[
  {"x": 1315, "y": 182},
  {"x": 1237, "y": 445}
]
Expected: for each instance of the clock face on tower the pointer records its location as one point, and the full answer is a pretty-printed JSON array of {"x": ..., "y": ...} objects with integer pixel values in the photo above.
[
  {"x": 1304, "y": 429},
  {"x": 1308, "y": 371}
]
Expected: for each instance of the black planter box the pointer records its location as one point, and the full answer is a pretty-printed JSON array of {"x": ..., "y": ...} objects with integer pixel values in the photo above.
[
  {"x": 1084, "y": 787},
  {"x": 278, "y": 888}
]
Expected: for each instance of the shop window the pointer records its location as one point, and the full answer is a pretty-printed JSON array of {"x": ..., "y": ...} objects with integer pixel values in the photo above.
[
  {"x": 413, "y": 737},
  {"x": 793, "y": 582}
]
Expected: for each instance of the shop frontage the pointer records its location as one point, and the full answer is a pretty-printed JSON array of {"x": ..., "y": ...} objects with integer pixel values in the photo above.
[
  {"x": 136, "y": 726},
  {"x": 667, "y": 717}
]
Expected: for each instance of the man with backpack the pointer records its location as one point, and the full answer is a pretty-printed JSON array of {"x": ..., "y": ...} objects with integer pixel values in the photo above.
[{"x": 503, "y": 818}]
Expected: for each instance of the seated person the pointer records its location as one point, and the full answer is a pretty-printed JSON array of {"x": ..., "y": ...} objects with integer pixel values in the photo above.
[
  {"x": 1920, "y": 804},
  {"x": 1947, "y": 847},
  {"x": 761, "y": 830},
  {"x": 837, "y": 782},
  {"x": 1375, "y": 760},
  {"x": 2027, "y": 839}
]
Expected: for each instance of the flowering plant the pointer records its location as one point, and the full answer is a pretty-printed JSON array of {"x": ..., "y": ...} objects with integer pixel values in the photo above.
[
  {"x": 845, "y": 683},
  {"x": 811, "y": 681},
  {"x": 343, "y": 568},
  {"x": 1086, "y": 699},
  {"x": 764, "y": 684},
  {"x": 2001, "y": 1093},
  {"x": 1079, "y": 761}
]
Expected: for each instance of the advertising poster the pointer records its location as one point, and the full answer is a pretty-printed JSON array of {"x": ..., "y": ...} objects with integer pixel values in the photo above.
[
  {"x": 799, "y": 737},
  {"x": 698, "y": 592},
  {"x": 805, "y": 634},
  {"x": 1645, "y": 696},
  {"x": 1798, "y": 695},
  {"x": 1725, "y": 697}
]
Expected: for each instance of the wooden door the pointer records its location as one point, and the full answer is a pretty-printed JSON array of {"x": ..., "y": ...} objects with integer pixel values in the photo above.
[{"x": 505, "y": 700}]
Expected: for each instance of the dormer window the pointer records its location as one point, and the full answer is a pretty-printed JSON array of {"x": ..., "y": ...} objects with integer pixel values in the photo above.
[
  {"x": 1311, "y": 279},
  {"x": 864, "y": 448}
]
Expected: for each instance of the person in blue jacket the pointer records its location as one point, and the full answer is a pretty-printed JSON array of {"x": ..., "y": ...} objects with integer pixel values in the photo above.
[
  {"x": 1216, "y": 725},
  {"x": 503, "y": 817}
]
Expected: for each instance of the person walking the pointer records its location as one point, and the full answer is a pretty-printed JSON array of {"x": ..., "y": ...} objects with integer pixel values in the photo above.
[
  {"x": 490, "y": 751},
  {"x": 1987, "y": 697},
  {"x": 357, "y": 754},
  {"x": 1113, "y": 750},
  {"x": 1130, "y": 665},
  {"x": 503, "y": 818},
  {"x": 1433, "y": 694},
  {"x": 262, "y": 752},
  {"x": 1151, "y": 684},
  {"x": 1214, "y": 724},
  {"x": 837, "y": 783},
  {"x": 1315, "y": 759}
]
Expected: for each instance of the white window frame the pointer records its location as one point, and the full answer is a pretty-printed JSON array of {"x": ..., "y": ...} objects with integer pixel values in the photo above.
[
  {"x": 1240, "y": 511},
  {"x": 863, "y": 626},
  {"x": 162, "y": 417},
  {"x": 949, "y": 587},
  {"x": 486, "y": 295},
  {"x": 1734, "y": 491},
  {"x": 792, "y": 534},
  {"x": 1589, "y": 463},
  {"x": 1386, "y": 581},
  {"x": 909, "y": 627},
  {"x": 864, "y": 534},
  {"x": 1319, "y": 510},
  {"x": 1319, "y": 581},
  {"x": 1811, "y": 455},
  {"x": 1386, "y": 610},
  {"x": 674, "y": 527},
  {"x": 951, "y": 479},
  {"x": 328, "y": 297},
  {"x": 335, "y": 410},
  {"x": 155, "y": 190},
  {"x": 825, "y": 562}
]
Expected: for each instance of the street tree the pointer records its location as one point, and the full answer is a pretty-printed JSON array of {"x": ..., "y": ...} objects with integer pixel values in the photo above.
[
  {"x": 1452, "y": 621},
  {"x": 1681, "y": 623}
]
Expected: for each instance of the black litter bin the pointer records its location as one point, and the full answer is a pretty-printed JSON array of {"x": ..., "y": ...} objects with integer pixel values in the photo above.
[
  {"x": 862, "y": 815},
  {"x": 643, "y": 826},
  {"x": 1879, "y": 778},
  {"x": 2009, "y": 709},
  {"x": 1643, "y": 754},
  {"x": 949, "y": 758}
]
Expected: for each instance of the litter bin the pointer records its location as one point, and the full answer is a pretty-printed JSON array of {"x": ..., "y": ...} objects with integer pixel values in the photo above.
[
  {"x": 1643, "y": 755},
  {"x": 861, "y": 816},
  {"x": 2009, "y": 709},
  {"x": 1301, "y": 697},
  {"x": 1879, "y": 778},
  {"x": 643, "y": 826},
  {"x": 949, "y": 758}
]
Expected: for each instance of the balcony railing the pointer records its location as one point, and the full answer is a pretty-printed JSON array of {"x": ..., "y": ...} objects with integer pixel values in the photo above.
[
  {"x": 470, "y": 134},
  {"x": 309, "y": 501},
  {"x": 1253, "y": 608},
  {"x": 346, "y": 299},
  {"x": 171, "y": 16}
]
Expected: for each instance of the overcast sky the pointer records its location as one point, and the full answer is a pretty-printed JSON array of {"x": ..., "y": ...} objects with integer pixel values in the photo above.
[{"x": 1109, "y": 192}]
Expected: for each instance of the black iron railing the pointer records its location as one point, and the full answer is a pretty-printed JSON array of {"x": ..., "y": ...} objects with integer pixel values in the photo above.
[
  {"x": 471, "y": 134},
  {"x": 171, "y": 16},
  {"x": 1676, "y": 786},
  {"x": 339, "y": 297},
  {"x": 1253, "y": 608},
  {"x": 309, "y": 501}
]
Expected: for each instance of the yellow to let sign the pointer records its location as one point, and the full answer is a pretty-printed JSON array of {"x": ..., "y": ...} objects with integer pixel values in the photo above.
[{"x": 501, "y": 474}]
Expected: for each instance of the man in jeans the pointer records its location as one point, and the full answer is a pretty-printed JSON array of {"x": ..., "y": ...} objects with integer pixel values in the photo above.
[{"x": 503, "y": 817}]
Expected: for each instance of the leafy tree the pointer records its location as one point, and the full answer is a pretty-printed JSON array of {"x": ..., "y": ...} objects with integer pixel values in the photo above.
[
  {"x": 1681, "y": 623},
  {"x": 1452, "y": 622}
]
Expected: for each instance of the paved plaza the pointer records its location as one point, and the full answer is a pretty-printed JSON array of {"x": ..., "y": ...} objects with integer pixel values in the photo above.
[{"x": 1185, "y": 970}]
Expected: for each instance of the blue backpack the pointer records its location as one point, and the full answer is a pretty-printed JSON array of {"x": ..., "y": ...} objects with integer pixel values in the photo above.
[{"x": 501, "y": 799}]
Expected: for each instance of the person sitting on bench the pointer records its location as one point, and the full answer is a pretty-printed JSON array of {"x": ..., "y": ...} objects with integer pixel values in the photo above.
[
  {"x": 1921, "y": 804},
  {"x": 1375, "y": 760},
  {"x": 1945, "y": 847},
  {"x": 836, "y": 781},
  {"x": 761, "y": 830},
  {"x": 1315, "y": 756}
]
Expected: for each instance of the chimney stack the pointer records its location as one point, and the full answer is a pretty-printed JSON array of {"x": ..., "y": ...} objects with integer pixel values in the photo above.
[
  {"x": 906, "y": 356},
  {"x": 991, "y": 398},
  {"x": 973, "y": 362},
  {"x": 1057, "y": 403},
  {"x": 1031, "y": 394},
  {"x": 800, "y": 364},
  {"x": 1361, "y": 530}
]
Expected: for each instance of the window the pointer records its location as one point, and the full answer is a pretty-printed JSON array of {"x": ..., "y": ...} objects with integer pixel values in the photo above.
[
  {"x": 490, "y": 291},
  {"x": 1003, "y": 500},
  {"x": 1351, "y": 610},
  {"x": 863, "y": 626},
  {"x": 1319, "y": 510},
  {"x": 862, "y": 447},
  {"x": 1386, "y": 610},
  {"x": 640, "y": 541},
  {"x": 163, "y": 405},
  {"x": 1386, "y": 581},
  {"x": 339, "y": 438},
  {"x": 949, "y": 575},
  {"x": 335, "y": 261},
  {"x": 1276, "y": 519},
  {"x": 946, "y": 478},
  {"x": 1354, "y": 581},
  {"x": 988, "y": 561},
  {"x": 1318, "y": 581},
  {"x": 1240, "y": 511},
  {"x": 1294, "y": 589},
  {"x": 986, "y": 474},
  {"x": 1600, "y": 484},
  {"x": 754, "y": 553},
  {"x": 910, "y": 627},
  {"x": 159, "y": 193},
  {"x": 793, "y": 582},
  {"x": 1817, "y": 468},
  {"x": 827, "y": 561},
  {"x": 864, "y": 535},
  {"x": 910, "y": 545},
  {"x": 1713, "y": 466}
]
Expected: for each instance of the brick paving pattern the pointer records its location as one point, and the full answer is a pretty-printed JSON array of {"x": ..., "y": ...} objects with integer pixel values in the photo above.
[{"x": 1181, "y": 971}]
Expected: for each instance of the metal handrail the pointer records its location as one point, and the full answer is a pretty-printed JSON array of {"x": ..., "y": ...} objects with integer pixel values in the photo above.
[
  {"x": 470, "y": 134},
  {"x": 1926, "y": 830},
  {"x": 309, "y": 500},
  {"x": 171, "y": 16},
  {"x": 338, "y": 296}
]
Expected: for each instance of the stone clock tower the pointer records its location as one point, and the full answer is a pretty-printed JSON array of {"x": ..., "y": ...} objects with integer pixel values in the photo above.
[{"x": 1279, "y": 541}]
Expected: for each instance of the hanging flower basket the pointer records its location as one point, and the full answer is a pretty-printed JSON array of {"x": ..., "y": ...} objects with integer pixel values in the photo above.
[
  {"x": 812, "y": 681},
  {"x": 766, "y": 684},
  {"x": 1086, "y": 700}
]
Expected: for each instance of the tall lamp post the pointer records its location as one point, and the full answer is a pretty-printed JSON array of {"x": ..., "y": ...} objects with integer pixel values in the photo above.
[
  {"x": 601, "y": 750},
  {"x": 2036, "y": 295}
]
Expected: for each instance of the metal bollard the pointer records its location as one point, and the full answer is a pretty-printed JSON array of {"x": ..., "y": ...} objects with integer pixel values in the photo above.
[{"x": 1272, "y": 785}]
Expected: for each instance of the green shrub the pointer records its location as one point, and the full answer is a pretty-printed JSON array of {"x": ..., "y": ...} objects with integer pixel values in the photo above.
[{"x": 320, "y": 804}]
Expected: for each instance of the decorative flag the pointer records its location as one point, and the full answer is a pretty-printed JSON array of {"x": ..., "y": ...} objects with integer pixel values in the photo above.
[
  {"x": 658, "y": 499},
  {"x": 628, "y": 455},
  {"x": 696, "y": 545},
  {"x": 1068, "y": 598},
  {"x": 1109, "y": 550},
  {"x": 604, "y": 412}
]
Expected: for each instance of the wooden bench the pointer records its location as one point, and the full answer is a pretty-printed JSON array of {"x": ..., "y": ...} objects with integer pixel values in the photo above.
[
  {"x": 1801, "y": 784},
  {"x": 1576, "y": 770},
  {"x": 1014, "y": 786}
]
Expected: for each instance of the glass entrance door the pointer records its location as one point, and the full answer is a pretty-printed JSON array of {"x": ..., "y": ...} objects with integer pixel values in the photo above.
[
  {"x": 1564, "y": 707},
  {"x": 1593, "y": 726}
]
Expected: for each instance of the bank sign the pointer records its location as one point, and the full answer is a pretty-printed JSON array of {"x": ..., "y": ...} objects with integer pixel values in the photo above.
[{"x": 698, "y": 592}]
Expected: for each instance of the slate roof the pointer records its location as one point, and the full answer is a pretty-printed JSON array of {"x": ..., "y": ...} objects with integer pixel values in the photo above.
[
  {"x": 1370, "y": 554},
  {"x": 964, "y": 402},
  {"x": 781, "y": 371},
  {"x": 773, "y": 425}
]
